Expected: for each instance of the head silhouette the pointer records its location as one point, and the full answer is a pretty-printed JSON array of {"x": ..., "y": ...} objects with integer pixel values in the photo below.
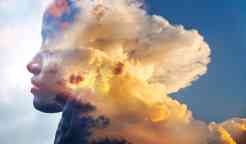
[{"x": 58, "y": 17}]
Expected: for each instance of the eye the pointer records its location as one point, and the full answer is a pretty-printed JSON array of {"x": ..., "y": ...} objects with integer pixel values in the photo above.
[{"x": 52, "y": 69}]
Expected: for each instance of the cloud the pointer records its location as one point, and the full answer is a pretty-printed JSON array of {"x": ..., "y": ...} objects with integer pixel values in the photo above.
[
  {"x": 19, "y": 42},
  {"x": 152, "y": 58},
  {"x": 130, "y": 61}
]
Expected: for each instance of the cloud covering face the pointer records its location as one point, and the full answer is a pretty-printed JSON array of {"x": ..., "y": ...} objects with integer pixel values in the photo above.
[
  {"x": 159, "y": 57},
  {"x": 176, "y": 56},
  {"x": 126, "y": 62}
]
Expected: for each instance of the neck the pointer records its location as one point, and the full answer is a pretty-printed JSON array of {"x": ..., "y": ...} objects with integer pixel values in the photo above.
[{"x": 76, "y": 126}]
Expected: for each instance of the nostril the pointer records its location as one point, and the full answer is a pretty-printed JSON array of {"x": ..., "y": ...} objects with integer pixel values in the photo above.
[{"x": 34, "y": 68}]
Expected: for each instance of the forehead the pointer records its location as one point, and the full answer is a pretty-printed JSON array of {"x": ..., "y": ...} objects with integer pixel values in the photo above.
[{"x": 58, "y": 17}]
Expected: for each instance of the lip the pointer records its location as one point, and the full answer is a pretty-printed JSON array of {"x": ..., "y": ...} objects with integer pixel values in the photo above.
[
  {"x": 37, "y": 87},
  {"x": 36, "y": 90}
]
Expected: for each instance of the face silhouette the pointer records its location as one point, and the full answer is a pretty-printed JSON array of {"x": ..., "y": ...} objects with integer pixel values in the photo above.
[
  {"x": 45, "y": 100},
  {"x": 48, "y": 67}
]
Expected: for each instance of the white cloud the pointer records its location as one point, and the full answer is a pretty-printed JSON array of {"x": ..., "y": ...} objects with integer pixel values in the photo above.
[{"x": 20, "y": 123}]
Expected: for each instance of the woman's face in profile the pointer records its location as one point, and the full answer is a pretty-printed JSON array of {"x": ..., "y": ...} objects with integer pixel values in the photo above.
[
  {"x": 44, "y": 99},
  {"x": 48, "y": 83}
]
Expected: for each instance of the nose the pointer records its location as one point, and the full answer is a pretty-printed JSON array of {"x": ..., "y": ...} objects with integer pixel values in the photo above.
[{"x": 34, "y": 68}]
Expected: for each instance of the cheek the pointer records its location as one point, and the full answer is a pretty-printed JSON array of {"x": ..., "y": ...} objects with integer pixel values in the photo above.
[
  {"x": 52, "y": 75},
  {"x": 62, "y": 70}
]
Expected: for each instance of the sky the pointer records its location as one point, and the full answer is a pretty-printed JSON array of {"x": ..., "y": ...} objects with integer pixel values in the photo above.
[
  {"x": 20, "y": 123},
  {"x": 217, "y": 96}
]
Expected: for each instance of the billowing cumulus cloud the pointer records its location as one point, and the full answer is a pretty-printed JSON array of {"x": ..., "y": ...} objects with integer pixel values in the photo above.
[{"x": 126, "y": 62}]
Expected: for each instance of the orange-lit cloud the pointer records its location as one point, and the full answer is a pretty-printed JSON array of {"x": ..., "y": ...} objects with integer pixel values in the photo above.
[{"x": 126, "y": 62}]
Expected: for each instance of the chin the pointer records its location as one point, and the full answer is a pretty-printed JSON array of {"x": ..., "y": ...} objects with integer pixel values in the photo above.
[{"x": 53, "y": 106}]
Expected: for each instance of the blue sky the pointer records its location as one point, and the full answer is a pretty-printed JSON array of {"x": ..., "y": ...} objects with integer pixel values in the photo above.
[
  {"x": 217, "y": 96},
  {"x": 220, "y": 94}
]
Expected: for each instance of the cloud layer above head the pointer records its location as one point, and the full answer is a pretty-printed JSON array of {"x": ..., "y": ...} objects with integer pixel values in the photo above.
[{"x": 175, "y": 56}]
